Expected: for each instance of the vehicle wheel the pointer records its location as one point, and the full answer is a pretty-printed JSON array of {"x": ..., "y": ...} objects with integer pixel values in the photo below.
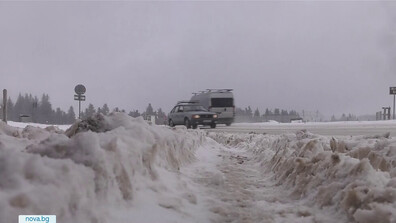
[
  {"x": 194, "y": 126},
  {"x": 213, "y": 125},
  {"x": 228, "y": 123},
  {"x": 171, "y": 124},
  {"x": 187, "y": 123}
]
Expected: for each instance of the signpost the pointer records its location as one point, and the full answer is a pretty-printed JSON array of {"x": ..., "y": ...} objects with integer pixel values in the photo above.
[
  {"x": 79, "y": 96},
  {"x": 392, "y": 91}
]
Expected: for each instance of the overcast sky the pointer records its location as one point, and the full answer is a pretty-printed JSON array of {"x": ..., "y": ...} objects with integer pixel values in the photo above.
[{"x": 335, "y": 57}]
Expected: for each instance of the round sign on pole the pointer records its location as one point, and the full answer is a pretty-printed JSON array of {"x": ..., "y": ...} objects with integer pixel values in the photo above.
[{"x": 80, "y": 89}]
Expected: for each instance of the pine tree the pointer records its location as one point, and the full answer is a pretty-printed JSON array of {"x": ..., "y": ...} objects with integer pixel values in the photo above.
[
  {"x": 267, "y": 112},
  {"x": 58, "y": 116},
  {"x": 284, "y": 112},
  {"x": 256, "y": 113},
  {"x": 35, "y": 103},
  {"x": 71, "y": 116},
  {"x": 10, "y": 110},
  {"x": 18, "y": 107},
  {"x": 105, "y": 109},
  {"x": 45, "y": 110},
  {"x": 149, "y": 110},
  {"x": 90, "y": 111}
]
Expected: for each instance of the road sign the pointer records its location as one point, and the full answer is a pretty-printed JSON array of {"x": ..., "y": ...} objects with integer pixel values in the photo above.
[
  {"x": 79, "y": 97},
  {"x": 392, "y": 90},
  {"x": 80, "y": 89}
]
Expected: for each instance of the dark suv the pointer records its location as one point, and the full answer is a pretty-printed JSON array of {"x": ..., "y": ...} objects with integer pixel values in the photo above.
[{"x": 191, "y": 114}]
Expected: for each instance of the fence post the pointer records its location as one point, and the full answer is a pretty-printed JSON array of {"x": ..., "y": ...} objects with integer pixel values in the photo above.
[{"x": 5, "y": 105}]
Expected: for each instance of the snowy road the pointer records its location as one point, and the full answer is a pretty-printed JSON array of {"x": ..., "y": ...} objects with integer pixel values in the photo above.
[{"x": 327, "y": 129}]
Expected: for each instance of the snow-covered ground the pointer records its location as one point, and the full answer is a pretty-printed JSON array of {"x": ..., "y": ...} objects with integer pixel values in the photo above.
[
  {"x": 311, "y": 124},
  {"x": 312, "y": 178},
  {"x": 120, "y": 169},
  {"x": 353, "y": 128},
  {"x": 25, "y": 124}
]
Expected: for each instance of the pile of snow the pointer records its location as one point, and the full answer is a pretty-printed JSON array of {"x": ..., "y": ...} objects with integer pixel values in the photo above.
[
  {"x": 352, "y": 177},
  {"x": 96, "y": 171}
]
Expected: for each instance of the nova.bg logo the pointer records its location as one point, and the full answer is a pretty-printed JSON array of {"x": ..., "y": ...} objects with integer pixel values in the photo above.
[{"x": 37, "y": 219}]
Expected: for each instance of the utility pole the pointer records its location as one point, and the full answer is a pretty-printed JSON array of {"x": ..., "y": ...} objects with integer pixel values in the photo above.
[{"x": 5, "y": 105}]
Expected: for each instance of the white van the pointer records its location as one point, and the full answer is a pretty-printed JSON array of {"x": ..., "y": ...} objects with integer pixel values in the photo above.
[{"x": 220, "y": 101}]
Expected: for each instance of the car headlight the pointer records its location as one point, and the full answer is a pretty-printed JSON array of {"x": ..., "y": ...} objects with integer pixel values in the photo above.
[
  {"x": 214, "y": 116},
  {"x": 196, "y": 116}
]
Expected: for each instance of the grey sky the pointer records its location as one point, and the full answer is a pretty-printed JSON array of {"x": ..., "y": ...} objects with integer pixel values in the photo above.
[{"x": 335, "y": 57}]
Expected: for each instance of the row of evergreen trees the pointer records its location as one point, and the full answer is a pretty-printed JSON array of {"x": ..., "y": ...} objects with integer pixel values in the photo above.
[
  {"x": 247, "y": 115},
  {"x": 249, "y": 112},
  {"x": 160, "y": 116},
  {"x": 349, "y": 117},
  {"x": 32, "y": 109},
  {"x": 39, "y": 111}
]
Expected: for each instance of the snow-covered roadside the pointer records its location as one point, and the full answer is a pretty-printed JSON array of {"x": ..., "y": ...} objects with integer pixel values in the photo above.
[
  {"x": 43, "y": 126},
  {"x": 122, "y": 170},
  {"x": 352, "y": 179},
  {"x": 236, "y": 190},
  {"x": 341, "y": 124}
]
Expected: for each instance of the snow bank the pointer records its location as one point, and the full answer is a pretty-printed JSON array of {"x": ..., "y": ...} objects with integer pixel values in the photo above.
[
  {"x": 97, "y": 168},
  {"x": 352, "y": 177}
]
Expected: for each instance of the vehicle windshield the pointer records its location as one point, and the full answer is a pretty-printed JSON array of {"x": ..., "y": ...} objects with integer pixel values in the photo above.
[{"x": 194, "y": 108}]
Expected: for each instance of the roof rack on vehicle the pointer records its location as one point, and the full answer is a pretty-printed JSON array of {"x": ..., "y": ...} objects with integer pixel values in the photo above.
[
  {"x": 219, "y": 90},
  {"x": 187, "y": 102}
]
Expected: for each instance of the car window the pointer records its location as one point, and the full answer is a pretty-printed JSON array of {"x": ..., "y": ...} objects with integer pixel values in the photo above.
[
  {"x": 180, "y": 109},
  {"x": 222, "y": 102},
  {"x": 194, "y": 108},
  {"x": 173, "y": 110}
]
